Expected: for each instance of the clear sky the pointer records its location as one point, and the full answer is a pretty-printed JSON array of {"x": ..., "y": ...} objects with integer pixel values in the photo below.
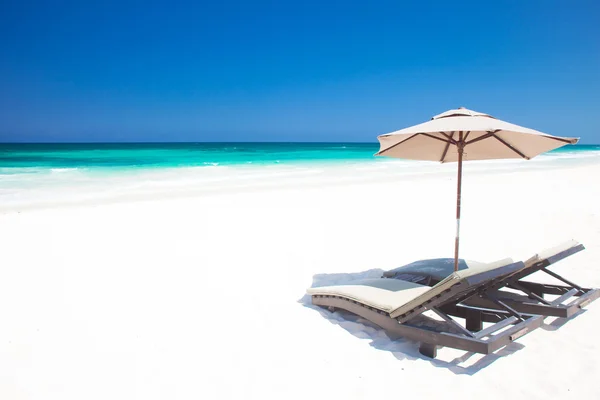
[{"x": 292, "y": 70}]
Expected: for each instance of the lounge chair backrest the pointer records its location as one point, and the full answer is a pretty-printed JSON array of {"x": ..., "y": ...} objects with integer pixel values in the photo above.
[
  {"x": 458, "y": 284},
  {"x": 555, "y": 253}
]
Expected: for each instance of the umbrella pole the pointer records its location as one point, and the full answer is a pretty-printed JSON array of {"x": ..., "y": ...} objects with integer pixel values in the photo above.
[{"x": 460, "y": 147}]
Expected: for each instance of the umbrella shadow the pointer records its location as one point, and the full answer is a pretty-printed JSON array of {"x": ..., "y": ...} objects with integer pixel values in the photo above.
[{"x": 468, "y": 363}]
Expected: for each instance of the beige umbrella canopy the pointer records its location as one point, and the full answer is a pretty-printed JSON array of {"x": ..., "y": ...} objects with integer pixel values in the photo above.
[{"x": 462, "y": 134}]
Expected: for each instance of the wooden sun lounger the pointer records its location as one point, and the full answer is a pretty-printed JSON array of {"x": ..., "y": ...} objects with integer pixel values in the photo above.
[
  {"x": 398, "y": 306},
  {"x": 531, "y": 299},
  {"x": 571, "y": 297}
]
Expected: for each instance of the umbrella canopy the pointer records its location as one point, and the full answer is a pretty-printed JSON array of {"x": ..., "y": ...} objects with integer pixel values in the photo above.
[
  {"x": 462, "y": 134},
  {"x": 485, "y": 137}
]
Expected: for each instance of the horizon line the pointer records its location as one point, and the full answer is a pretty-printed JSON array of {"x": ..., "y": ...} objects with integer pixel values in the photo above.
[
  {"x": 191, "y": 142},
  {"x": 225, "y": 142}
]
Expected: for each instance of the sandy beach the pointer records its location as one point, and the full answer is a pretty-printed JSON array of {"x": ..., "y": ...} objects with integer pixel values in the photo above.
[
  {"x": 180, "y": 182},
  {"x": 201, "y": 293}
]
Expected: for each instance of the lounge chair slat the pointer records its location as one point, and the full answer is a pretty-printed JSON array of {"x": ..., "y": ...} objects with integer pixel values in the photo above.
[
  {"x": 508, "y": 336},
  {"x": 496, "y": 327},
  {"x": 566, "y": 296},
  {"x": 589, "y": 296}
]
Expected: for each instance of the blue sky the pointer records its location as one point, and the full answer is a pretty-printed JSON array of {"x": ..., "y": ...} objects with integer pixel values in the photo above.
[{"x": 292, "y": 71}]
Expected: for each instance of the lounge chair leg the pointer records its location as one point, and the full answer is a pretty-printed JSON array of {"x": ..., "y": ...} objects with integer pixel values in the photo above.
[
  {"x": 474, "y": 320},
  {"x": 428, "y": 350}
]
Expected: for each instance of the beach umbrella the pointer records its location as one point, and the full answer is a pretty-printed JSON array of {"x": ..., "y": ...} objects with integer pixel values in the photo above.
[{"x": 464, "y": 135}]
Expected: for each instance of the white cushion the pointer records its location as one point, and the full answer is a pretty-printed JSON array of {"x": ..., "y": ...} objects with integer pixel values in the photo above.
[
  {"x": 383, "y": 294},
  {"x": 395, "y": 296}
]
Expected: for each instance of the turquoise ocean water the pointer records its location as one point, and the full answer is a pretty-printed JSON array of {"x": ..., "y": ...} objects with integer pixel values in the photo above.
[
  {"x": 169, "y": 155},
  {"x": 16, "y": 157},
  {"x": 58, "y": 173}
]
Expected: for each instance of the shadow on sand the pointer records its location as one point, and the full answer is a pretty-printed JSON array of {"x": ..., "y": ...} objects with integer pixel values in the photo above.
[{"x": 403, "y": 349}]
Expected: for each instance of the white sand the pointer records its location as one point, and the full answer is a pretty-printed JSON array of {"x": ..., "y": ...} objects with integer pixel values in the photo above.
[{"x": 202, "y": 296}]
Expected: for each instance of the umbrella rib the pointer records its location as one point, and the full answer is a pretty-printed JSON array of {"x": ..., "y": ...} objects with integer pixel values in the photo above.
[
  {"x": 447, "y": 146},
  {"x": 449, "y": 136},
  {"x": 559, "y": 139},
  {"x": 399, "y": 143},
  {"x": 486, "y": 136},
  {"x": 410, "y": 137},
  {"x": 510, "y": 146},
  {"x": 433, "y": 137}
]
